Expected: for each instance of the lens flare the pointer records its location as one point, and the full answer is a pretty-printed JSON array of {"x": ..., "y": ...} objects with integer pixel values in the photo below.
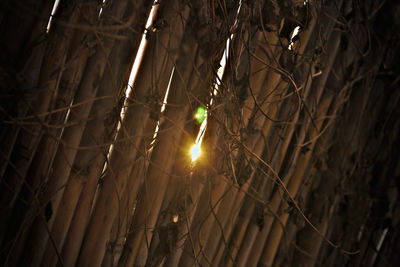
[{"x": 200, "y": 114}]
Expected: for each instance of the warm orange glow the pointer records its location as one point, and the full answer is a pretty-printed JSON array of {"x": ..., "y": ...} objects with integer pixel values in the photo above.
[{"x": 202, "y": 111}]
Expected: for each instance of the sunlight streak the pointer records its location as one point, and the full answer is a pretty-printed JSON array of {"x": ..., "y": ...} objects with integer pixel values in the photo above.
[
  {"x": 195, "y": 150},
  {"x": 134, "y": 71},
  {"x": 53, "y": 11},
  {"x": 162, "y": 110},
  {"x": 142, "y": 46},
  {"x": 296, "y": 32}
]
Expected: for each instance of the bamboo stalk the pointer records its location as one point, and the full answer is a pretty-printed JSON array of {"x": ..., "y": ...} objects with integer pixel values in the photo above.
[
  {"x": 94, "y": 135},
  {"x": 308, "y": 240},
  {"x": 51, "y": 71},
  {"x": 276, "y": 232},
  {"x": 254, "y": 229},
  {"x": 77, "y": 58},
  {"x": 161, "y": 48},
  {"x": 115, "y": 212},
  {"x": 257, "y": 251},
  {"x": 218, "y": 191},
  {"x": 243, "y": 256},
  {"x": 183, "y": 192},
  {"x": 239, "y": 73},
  {"x": 157, "y": 179},
  {"x": 265, "y": 52},
  {"x": 206, "y": 232},
  {"x": 126, "y": 210},
  {"x": 76, "y": 231},
  {"x": 312, "y": 245},
  {"x": 305, "y": 37},
  {"x": 196, "y": 186},
  {"x": 79, "y": 221},
  {"x": 135, "y": 117},
  {"x": 27, "y": 58},
  {"x": 137, "y": 255},
  {"x": 243, "y": 220},
  {"x": 28, "y": 139},
  {"x": 231, "y": 203},
  {"x": 88, "y": 90}
]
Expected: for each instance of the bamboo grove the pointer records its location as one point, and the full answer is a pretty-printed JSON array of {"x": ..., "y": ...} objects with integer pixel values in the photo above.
[{"x": 298, "y": 135}]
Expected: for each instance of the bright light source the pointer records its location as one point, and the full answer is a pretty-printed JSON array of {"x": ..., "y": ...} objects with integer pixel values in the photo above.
[
  {"x": 295, "y": 32},
  {"x": 53, "y": 11},
  {"x": 175, "y": 218},
  {"x": 202, "y": 111},
  {"x": 195, "y": 152}
]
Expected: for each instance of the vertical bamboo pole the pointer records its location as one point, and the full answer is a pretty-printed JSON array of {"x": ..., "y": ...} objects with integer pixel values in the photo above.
[
  {"x": 196, "y": 186},
  {"x": 156, "y": 178},
  {"x": 231, "y": 203},
  {"x": 36, "y": 177},
  {"x": 309, "y": 241},
  {"x": 320, "y": 215},
  {"x": 27, "y": 58},
  {"x": 87, "y": 92},
  {"x": 95, "y": 134},
  {"x": 28, "y": 138},
  {"x": 75, "y": 65},
  {"x": 257, "y": 77},
  {"x": 209, "y": 56},
  {"x": 121, "y": 224},
  {"x": 302, "y": 163},
  {"x": 162, "y": 46},
  {"x": 261, "y": 238},
  {"x": 30, "y": 67},
  {"x": 211, "y": 234},
  {"x": 125, "y": 149},
  {"x": 218, "y": 191},
  {"x": 72, "y": 135},
  {"x": 243, "y": 255},
  {"x": 248, "y": 207},
  {"x": 157, "y": 74}
]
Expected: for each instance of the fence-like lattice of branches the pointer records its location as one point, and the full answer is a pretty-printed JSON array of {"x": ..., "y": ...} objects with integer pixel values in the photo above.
[{"x": 291, "y": 107}]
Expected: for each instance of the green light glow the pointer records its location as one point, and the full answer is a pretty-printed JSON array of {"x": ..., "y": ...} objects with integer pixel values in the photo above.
[{"x": 200, "y": 114}]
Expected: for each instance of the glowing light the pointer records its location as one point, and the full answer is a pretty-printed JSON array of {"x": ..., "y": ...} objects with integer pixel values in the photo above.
[
  {"x": 200, "y": 114},
  {"x": 296, "y": 32},
  {"x": 53, "y": 11},
  {"x": 101, "y": 9},
  {"x": 195, "y": 151},
  {"x": 175, "y": 218}
]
